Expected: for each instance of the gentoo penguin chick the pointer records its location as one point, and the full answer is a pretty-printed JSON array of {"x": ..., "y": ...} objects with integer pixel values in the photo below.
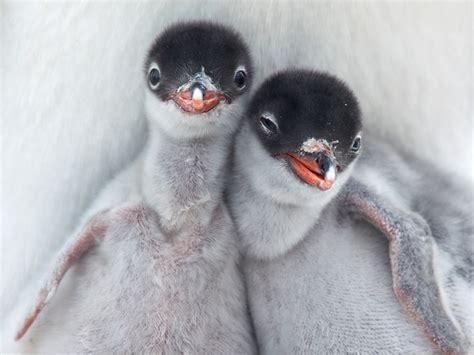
[
  {"x": 293, "y": 183},
  {"x": 155, "y": 265}
]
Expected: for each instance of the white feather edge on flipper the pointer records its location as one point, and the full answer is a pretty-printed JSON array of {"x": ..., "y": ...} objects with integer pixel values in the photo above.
[
  {"x": 461, "y": 298},
  {"x": 437, "y": 269}
]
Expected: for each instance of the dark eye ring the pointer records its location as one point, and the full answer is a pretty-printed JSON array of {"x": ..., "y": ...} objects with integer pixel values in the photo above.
[
  {"x": 154, "y": 77},
  {"x": 356, "y": 144},
  {"x": 240, "y": 79},
  {"x": 268, "y": 124}
]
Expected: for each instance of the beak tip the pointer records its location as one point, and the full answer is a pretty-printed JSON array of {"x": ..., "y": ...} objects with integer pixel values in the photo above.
[
  {"x": 197, "y": 95},
  {"x": 331, "y": 174}
]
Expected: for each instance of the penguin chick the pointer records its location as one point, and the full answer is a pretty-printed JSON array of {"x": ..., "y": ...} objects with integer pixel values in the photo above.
[
  {"x": 294, "y": 166},
  {"x": 155, "y": 262}
]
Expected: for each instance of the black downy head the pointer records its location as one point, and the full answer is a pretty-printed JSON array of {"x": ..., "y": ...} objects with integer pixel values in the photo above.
[
  {"x": 198, "y": 65},
  {"x": 310, "y": 119}
]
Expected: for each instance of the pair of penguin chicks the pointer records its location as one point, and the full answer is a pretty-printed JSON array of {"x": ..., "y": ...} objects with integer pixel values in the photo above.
[{"x": 156, "y": 258}]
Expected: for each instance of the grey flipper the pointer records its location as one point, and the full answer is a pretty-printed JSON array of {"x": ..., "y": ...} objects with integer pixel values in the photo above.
[
  {"x": 412, "y": 257},
  {"x": 70, "y": 253}
]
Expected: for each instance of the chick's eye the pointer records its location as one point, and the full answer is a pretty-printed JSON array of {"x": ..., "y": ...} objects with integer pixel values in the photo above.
[
  {"x": 268, "y": 125},
  {"x": 154, "y": 78},
  {"x": 355, "y": 145},
  {"x": 240, "y": 79}
]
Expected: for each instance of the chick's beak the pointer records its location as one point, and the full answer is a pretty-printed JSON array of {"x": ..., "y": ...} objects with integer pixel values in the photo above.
[
  {"x": 197, "y": 98},
  {"x": 317, "y": 170}
]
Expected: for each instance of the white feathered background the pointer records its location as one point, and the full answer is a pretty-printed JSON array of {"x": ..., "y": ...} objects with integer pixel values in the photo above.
[{"x": 72, "y": 90}]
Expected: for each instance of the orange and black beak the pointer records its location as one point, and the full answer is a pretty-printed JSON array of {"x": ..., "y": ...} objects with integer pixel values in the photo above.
[
  {"x": 316, "y": 169},
  {"x": 196, "y": 98}
]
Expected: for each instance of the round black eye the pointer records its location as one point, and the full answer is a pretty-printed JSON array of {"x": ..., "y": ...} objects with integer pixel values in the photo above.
[
  {"x": 268, "y": 125},
  {"x": 356, "y": 145},
  {"x": 154, "y": 78},
  {"x": 240, "y": 79}
]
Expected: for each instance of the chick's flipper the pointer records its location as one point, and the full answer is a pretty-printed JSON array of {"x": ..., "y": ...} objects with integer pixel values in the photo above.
[{"x": 412, "y": 258}]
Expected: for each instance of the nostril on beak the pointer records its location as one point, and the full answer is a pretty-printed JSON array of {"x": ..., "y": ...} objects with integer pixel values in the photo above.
[{"x": 198, "y": 91}]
